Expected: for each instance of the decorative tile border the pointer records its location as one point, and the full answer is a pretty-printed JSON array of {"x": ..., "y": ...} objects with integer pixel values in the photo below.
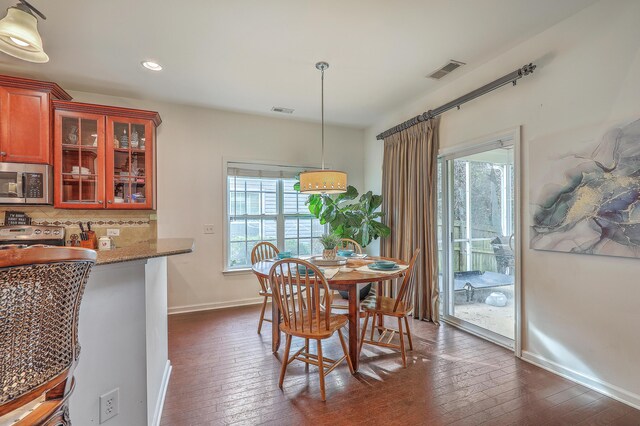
[{"x": 102, "y": 222}]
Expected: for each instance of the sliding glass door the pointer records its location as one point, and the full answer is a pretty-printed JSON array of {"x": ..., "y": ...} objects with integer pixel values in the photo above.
[{"x": 478, "y": 245}]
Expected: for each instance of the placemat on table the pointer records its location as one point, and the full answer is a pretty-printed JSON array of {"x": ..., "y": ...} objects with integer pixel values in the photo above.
[{"x": 390, "y": 272}]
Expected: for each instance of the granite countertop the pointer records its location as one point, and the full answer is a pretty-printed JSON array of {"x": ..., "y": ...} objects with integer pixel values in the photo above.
[{"x": 155, "y": 248}]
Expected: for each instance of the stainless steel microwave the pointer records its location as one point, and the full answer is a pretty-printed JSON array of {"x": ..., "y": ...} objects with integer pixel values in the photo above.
[{"x": 26, "y": 183}]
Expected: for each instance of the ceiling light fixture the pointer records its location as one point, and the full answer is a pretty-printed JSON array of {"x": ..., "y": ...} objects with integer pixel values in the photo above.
[
  {"x": 19, "y": 35},
  {"x": 150, "y": 65},
  {"x": 323, "y": 181}
]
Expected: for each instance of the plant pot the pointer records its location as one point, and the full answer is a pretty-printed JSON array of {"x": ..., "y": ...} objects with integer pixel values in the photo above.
[{"x": 329, "y": 254}]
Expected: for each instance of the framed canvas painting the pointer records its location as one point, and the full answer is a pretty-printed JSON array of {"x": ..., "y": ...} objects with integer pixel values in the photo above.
[{"x": 585, "y": 190}]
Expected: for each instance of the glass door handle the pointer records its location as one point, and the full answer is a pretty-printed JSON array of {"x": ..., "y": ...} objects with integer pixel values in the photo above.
[
  {"x": 110, "y": 202},
  {"x": 99, "y": 201}
]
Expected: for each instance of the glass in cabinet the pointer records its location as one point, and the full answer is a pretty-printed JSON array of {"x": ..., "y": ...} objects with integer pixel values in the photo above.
[
  {"x": 129, "y": 163},
  {"x": 79, "y": 164}
]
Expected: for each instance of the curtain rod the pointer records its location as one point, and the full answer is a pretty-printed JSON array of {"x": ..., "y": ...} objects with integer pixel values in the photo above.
[{"x": 512, "y": 77}]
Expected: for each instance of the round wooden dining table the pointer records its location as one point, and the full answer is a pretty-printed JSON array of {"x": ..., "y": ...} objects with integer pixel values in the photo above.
[{"x": 342, "y": 281}]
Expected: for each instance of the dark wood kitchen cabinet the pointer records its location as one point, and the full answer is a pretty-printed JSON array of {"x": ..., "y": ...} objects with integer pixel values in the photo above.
[
  {"x": 104, "y": 157},
  {"x": 25, "y": 119}
]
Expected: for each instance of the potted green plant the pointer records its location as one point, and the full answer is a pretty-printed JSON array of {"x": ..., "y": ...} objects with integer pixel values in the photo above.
[
  {"x": 349, "y": 216},
  {"x": 329, "y": 242}
]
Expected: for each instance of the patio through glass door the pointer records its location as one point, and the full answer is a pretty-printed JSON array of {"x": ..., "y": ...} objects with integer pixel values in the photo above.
[{"x": 478, "y": 256}]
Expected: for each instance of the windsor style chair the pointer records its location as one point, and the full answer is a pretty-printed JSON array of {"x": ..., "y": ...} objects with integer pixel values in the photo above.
[
  {"x": 307, "y": 316},
  {"x": 348, "y": 244},
  {"x": 400, "y": 307},
  {"x": 40, "y": 293},
  {"x": 261, "y": 251}
]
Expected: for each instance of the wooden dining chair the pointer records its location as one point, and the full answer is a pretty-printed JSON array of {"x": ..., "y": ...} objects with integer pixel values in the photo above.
[
  {"x": 400, "y": 307},
  {"x": 346, "y": 244},
  {"x": 261, "y": 251},
  {"x": 40, "y": 293},
  {"x": 306, "y": 316},
  {"x": 349, "y": 244}
]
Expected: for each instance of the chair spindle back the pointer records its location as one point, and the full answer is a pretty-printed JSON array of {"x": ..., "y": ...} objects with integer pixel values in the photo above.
[
  {"x": 307, "y": 311},
  {"x": 261, "y": 251},
  {"x": 349, "y": 244},
  {"x": 405, "y": 295}
]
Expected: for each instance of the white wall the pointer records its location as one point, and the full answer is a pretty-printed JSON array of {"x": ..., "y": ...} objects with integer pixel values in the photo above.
[
  {"x": 192, "y": 143},
  {"x": 113, "y": 354},
  {"x": 157, "y": 345},
  {"x": 124, "y": 343},
  {"x": 581, "y": 313}
]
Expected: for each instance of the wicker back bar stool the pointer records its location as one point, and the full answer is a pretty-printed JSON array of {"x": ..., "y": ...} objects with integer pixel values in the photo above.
[{"x": 40, "y": 293}]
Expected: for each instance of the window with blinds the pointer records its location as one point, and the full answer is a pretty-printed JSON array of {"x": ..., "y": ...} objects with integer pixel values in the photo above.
[{"x": 262, "y": 205}]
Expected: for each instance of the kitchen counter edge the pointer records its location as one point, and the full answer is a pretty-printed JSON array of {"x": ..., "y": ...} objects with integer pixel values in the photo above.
[{"x": 155, "y": 248}]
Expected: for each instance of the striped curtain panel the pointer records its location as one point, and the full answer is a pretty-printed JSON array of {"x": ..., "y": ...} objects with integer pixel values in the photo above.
[{"x": 409, "y": 192}]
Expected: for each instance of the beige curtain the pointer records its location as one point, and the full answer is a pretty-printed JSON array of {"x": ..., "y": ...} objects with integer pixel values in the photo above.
[{"x": 409, "y": 192}]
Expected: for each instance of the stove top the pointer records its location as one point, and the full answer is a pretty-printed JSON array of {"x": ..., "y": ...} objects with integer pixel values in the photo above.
[{"x": 32, "y": 234}]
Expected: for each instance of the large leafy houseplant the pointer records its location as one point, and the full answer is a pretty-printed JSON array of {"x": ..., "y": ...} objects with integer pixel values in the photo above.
[{"x": 348, "y": 217}]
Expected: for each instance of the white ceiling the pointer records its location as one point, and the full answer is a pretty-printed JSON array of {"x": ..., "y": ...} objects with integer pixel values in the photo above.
[{"x": 250, "y": 55}]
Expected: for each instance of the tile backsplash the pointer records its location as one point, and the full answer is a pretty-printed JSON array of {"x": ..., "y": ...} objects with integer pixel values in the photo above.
[{"x": 135, "y": 226}]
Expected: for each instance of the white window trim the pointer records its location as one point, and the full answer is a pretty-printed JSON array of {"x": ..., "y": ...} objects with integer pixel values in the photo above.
[{"x": 225, "y": 212}]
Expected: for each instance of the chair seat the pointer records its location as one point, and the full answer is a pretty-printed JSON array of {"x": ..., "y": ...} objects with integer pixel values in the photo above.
[
  {"x": 300, "y": 327},
  {"x": 384, "y": 305}
]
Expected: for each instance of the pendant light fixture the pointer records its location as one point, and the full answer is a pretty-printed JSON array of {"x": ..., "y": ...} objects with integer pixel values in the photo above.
[
  {"x": 323, "y": 181},
  {"x": 19, "y": 35}
]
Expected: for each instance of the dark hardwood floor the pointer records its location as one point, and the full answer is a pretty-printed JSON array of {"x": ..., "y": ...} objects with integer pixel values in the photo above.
[{"x": 224, "y": 373}]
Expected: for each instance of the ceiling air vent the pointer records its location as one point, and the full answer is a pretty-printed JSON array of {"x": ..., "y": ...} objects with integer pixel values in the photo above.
[
  {"x": 441, "y": 72},
  {"x": 282, "y": 110}
]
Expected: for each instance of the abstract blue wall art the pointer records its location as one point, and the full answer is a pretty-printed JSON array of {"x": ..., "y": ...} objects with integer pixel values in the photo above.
[{"x": 586, "y": 195}]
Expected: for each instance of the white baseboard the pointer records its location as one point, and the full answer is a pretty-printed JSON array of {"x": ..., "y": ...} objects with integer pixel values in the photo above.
[
  {"x": 598, "y": 385},
  {"x": 215, "y": 305},
  {"x": 157, "y": 413}
]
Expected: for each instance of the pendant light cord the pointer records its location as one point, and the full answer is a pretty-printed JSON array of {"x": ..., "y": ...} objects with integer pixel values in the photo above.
[{"x": 322, "y": 109}]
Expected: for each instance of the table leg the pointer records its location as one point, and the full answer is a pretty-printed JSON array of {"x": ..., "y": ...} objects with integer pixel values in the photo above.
[
  {"x": 354, "y": 325},
  {"x": 275, "y": 326},
  {"x": 380, "y": 317}
]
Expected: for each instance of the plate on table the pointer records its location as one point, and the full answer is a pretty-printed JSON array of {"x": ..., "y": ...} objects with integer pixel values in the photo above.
[
  {"x": 321, "y": 261},
  {"x": 302, "y": 270},
  {"x": 375, "y": 267},
  {"x": 351, "y": 255}
]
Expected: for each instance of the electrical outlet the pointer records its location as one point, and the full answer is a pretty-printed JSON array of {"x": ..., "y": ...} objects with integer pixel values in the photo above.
[
  {"x": 113, "y": 232},
  {"x": 208, "y": 229},
  {"x": 109, "y": 405}
]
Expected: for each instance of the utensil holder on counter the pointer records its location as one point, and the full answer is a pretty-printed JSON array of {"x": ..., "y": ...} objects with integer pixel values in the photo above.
[{"x": 91, "y": 242}]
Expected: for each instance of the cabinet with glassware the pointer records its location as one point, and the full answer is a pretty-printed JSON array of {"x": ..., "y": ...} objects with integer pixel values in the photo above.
[{"x": 104, "y": 156}]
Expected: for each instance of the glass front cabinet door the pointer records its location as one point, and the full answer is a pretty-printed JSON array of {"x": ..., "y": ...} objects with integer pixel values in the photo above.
[
  {"x": 104, "y": 157},
  {"x": 129, "y": 163},
  {"x": 79, "y": 160}
]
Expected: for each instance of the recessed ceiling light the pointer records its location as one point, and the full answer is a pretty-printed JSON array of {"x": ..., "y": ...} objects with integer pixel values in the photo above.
[{"x": 150, "y": 65}]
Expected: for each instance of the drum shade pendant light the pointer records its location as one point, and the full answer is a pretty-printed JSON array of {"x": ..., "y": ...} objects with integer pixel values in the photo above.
[
  {"x": 19, "y": 35},
  {"x": 323, "y": 181}
]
